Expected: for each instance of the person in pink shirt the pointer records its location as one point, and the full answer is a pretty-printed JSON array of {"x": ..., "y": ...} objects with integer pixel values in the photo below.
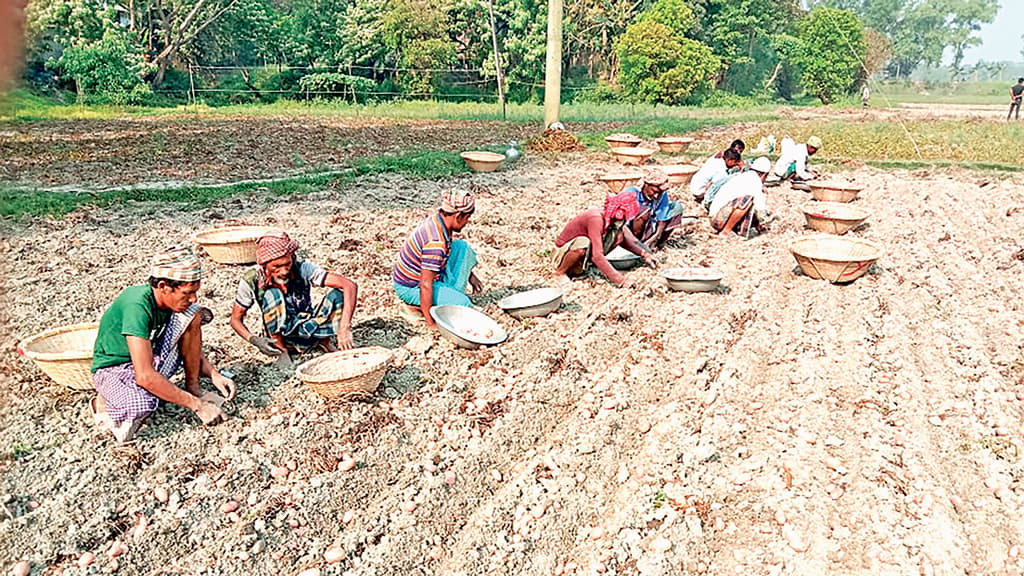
[{"x": 596, "y": 232}]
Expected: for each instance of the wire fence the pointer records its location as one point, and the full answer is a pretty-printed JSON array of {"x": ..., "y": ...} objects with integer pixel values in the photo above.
[{"x": 356, "y": 83}]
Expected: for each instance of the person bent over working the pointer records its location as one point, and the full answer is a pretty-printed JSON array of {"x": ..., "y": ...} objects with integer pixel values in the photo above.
[
  {"x": 280, "y": 287},
  {"x": 714, "y": 169},
  {"x": 145, "y": 337},
  {"x": 740, "y": 205},
  {"x": 596, "y": 232},
  {"x": 659, "y": 216},
  {"x": 433, "y": 269},
  {"x": 793, "y": 160}
]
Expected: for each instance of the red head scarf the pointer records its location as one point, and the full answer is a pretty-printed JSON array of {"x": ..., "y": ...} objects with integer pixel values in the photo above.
[{"x": 622, "y": 206}]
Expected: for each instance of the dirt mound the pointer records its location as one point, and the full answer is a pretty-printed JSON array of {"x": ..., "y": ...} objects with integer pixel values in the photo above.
[{"x": 555, "y": 141}]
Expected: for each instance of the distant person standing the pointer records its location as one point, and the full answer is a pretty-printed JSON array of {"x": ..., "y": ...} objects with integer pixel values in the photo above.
[
  {"x": 865, "y": 95},
  {"x": 1016, "y": 92}
]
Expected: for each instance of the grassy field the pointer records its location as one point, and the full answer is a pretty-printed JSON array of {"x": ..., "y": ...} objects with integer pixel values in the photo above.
[{"x": 909, "y": 143}]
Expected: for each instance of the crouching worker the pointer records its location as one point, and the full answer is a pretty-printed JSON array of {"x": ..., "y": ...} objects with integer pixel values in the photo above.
[
  {"x": 592, "y": 234},
  {"x": 659, "y": 217},
  {"x": 149, "y": 333},
  {"x": 432, "y": 269},
  {"x": 280, "y": 289},
  {"x": 740, "y": 204},
  {"x": 793, "y": 162}
]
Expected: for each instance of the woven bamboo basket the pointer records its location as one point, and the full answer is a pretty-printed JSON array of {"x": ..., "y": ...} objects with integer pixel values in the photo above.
[
  {"x": 632, "y": 156},
  {"x": 480, "y": 161},
  {"x": 349, "y": 373},
  {"x": 833, "y": 217},
  {"x": 834, "y": 258},
  {"x": 623, "y": 140},
  {"x": 231, "y": 244},
  {"x": 680, "y": 174},
  {"x": 64, "y": 354},
  {"x": 617, "y": 181},
  {"x": 834, "y": 191},
  {"x": 673, "y": 144}
]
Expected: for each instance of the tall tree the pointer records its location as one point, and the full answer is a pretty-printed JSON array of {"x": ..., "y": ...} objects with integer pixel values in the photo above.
[{"x": 832, "y": 50}]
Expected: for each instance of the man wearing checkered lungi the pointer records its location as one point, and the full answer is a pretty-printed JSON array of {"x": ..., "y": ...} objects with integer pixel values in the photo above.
[
  {"x": 279, "y": 287},
  {"x": 148, "y": 334}
]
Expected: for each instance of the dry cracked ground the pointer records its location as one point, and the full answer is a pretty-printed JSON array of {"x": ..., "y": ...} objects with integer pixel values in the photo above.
[{"x": 781, "y": 425}]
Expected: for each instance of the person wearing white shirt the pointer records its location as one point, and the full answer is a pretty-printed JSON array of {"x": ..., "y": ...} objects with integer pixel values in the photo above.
[
  {"x": 713, "y": 169},
  {"x": 792, "y": 162},
  {"x": 741, "y": 203}
]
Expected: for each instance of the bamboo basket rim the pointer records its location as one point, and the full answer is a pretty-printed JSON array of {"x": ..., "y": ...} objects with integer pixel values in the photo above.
[
  {"x": 679, "y": 169},
  {"x": 208, "y": 237},
  {"x": 620, "y": 176},
  {"x": 623, "y": 138},
  {"x": 675, "y": 140},
  {"x": 25, "y": 346},
  {"x": 482, "y": 156},
  {"x": 379, "y": 358},
  {"x": 875, "y": 251},
  {"x": 835, "y": 185},
  {"x": 634, "y": 151},
  {"x": 809, "y": 210}
]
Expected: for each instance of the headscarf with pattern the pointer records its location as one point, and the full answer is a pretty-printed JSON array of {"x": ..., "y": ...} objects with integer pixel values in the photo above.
[
  {"x": 273, "y": 245},
  {"x": 177, "y": 263},
  {"x": 622, "y": 206}
]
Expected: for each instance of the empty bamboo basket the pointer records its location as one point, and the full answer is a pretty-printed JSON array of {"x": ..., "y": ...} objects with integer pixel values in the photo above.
[
  {"x": 632, "y": 156},
  {"x": 231, "y": 244},
  {"x": 64, "y": 354},
  {"x": 622, "y": 140},
  {"x": 834, "y": 258},
  {"x": 833, "y": 217},
  {"x": 673, "y": 144},
  {"x": 616, "y": 182},
  {"x": 834, "y": 191},
  {"x": 680, "y": 174},
  {"x": 481, "y": 161},
  {"x": 349, "y": 373}
]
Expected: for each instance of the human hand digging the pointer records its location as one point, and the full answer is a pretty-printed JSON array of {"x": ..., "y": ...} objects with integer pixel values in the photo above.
[
  {"x": 476, "y": 284},
  {"x": 265, "y": 345},
  {"x": 344, "y": 339},
  {"x": 209, "y": 413},
  {"x": 225, "y": 385}
]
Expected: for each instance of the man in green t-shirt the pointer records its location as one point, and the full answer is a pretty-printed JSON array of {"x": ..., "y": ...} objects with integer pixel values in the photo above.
[{"x": 150, "y": 332}]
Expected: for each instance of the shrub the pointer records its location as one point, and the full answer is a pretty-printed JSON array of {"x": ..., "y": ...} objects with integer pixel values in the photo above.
[
  {"x": 105, "y": 71},
  {"x": 658, "y": 66}
]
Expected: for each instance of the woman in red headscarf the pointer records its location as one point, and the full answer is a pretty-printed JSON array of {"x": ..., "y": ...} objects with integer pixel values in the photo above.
[{"x": 596, "y": 232}]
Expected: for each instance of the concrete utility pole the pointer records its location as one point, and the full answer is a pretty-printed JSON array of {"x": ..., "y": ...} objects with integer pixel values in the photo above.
[{"x": 553, "y": 70}]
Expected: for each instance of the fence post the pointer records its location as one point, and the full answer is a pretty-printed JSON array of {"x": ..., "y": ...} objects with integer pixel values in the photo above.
[{"x": 191, "y": 86}]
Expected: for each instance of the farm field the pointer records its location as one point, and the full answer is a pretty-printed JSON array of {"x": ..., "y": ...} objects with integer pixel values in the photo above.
[{"x": 781, "y": 425}]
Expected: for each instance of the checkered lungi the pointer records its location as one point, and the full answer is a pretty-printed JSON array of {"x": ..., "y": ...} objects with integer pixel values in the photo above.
[
  {"x": 743, "y": 227},
  {"x": 126, "y": 400}
]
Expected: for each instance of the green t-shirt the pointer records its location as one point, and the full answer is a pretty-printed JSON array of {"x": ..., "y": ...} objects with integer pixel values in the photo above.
[{"x": 133, "y": 313}]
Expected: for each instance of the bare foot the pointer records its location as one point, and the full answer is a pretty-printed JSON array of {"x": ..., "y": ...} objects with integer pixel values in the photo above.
[{"x": 100, "y": 419}]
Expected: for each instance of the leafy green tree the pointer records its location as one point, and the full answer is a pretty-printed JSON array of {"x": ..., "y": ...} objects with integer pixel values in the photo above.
[
  {"x": 106, "y": 71},
  {"x": 832, "y": 51},
  {"x": 740, "y": 32},
  {"x": 658, "y": 66},
  {"x": 675, "y": 14}
]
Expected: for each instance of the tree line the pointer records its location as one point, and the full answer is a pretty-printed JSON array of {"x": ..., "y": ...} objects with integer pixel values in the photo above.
[{"x": 657, "y": 51}]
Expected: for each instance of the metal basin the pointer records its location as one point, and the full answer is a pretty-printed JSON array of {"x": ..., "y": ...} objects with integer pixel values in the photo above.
[
  {"x": 539, "y": 302},
  {"x": 622, "y": 259},
  {"x": 695, "y": 279},
  {"x": 467, "y": 327}
]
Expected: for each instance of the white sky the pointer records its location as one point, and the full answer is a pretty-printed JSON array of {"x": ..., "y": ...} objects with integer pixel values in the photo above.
[{"x": 1001, "y": 39}]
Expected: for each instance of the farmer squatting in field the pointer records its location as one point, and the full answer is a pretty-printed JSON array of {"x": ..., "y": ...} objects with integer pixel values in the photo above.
[
  {"x": 714, "y": 170},
  {"x": 741, "y": 205},
  {"x": 793, "y": 160},
  {"x": 280, "y": 288},
  {"x": 149, "y": 333},
  {"x": 433, "y": 269},
  {"x": 659, "y": 216},
  {"x": 592, "y": 234}
]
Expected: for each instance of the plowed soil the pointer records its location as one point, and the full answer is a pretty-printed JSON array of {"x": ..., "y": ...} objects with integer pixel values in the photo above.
[{"x": 781, "y": 425}]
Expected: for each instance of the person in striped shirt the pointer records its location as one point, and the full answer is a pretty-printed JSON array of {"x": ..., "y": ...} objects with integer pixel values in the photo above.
[{"x": 433, "y": 269}]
